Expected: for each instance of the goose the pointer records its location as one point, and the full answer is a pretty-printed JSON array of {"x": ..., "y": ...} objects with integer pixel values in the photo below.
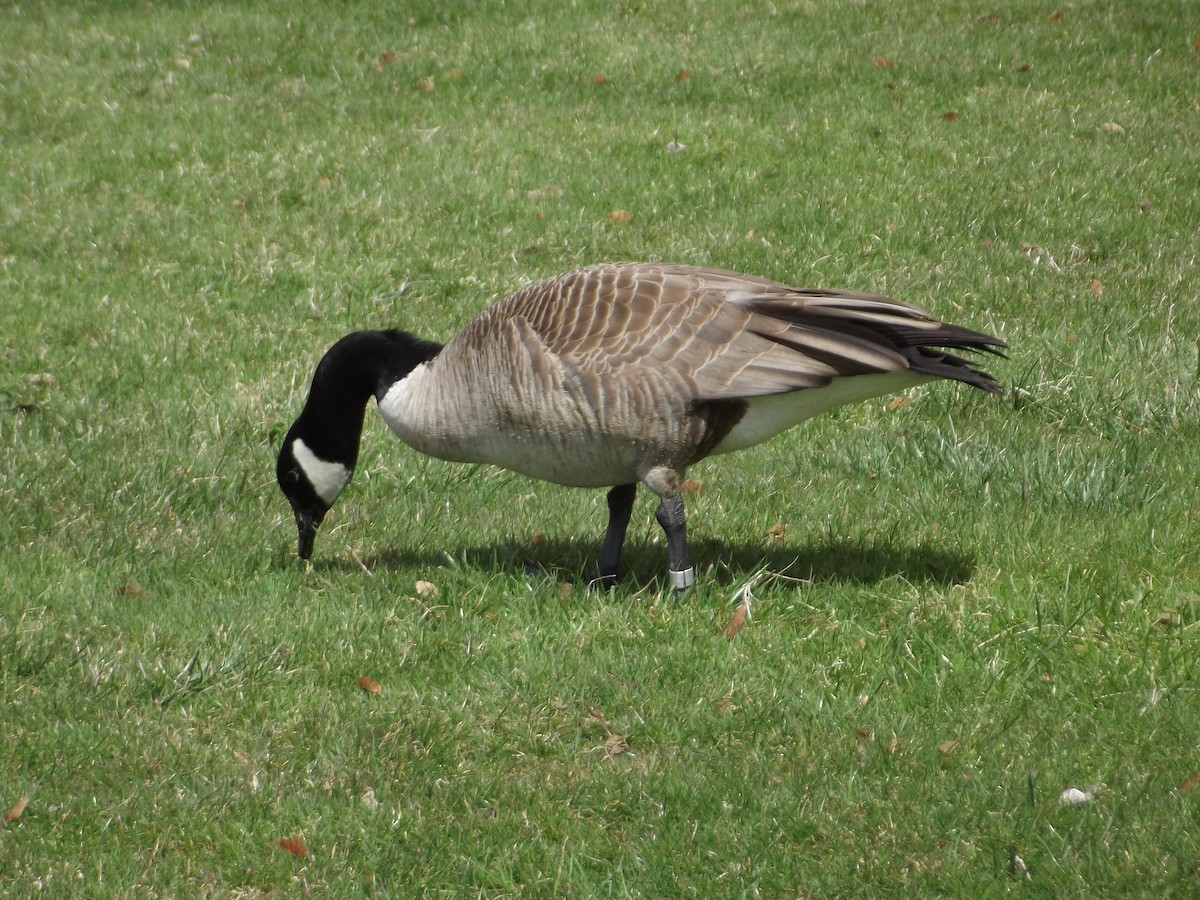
[{"x": 614, "y": 375}]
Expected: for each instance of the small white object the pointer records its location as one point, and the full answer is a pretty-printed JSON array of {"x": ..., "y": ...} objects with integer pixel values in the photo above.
[
  {"x": 1074, "y": 797},
  {"x": 683, "y": 579},
  {"x": 676, "y": 147}
]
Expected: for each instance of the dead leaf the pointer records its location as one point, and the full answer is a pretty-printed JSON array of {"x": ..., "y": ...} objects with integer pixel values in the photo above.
[
  {"x": 1168, "y": 618},
  {"x": 986, "y": 18},
  {"x": 1198, "y": 43},
  {"x": 737, "y": 620},
  {"x": 565, "y": 588},
  {"x": 1097, "y": 287},
  {"x": 882, "y": 62},
  {"x": 426, "y": 590},
  {"x": 620, "y": 215},
  {"x": 778, "y": 531},
  {"x": 132, "y": 590},
  {"x": 897, "y": 403},
  {"x": 293, "y": 844},
  {"x": 324, "y": 181},
  {"x": 454, "y": 73},
  {"x": 947, "y": 747},
  {"x": 599, "y": 78},
  {"x": 864, "y": 735},
  {"x": 985, "y": 243},
  {"x": 949, "y": 115},
  {"x": 425, "y": 85},
  {"x": 1110, "y": 128},
  {"x": 370, "y": 685},
  {"x": 183, "y": 62},
  {"x": 693, "y": 487},
  {"x": 549, "y": 190},
  {"x": 538, "y": 541},
  {"x": 1024, "y": 67},
  {"x": 1072, "y": 337},
  {"x": 893, "y": 746},
  {"x": 1057, "y": 16},
  {"x": 615, "y": 745},
  {"x": 1186, "y": 786},
  {"x": 15, "y": 811},
  {"x": 684, "y": 74},
  {"x": 384, "y": 58}
]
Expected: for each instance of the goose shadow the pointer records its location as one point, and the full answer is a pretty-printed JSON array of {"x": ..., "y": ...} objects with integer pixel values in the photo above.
[{"x": 724, "y": 564}]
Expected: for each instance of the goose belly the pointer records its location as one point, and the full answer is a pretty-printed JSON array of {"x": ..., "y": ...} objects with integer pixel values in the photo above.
[
  {"x": 567, "y": 447},
  {"x": 768, "y": 416}
]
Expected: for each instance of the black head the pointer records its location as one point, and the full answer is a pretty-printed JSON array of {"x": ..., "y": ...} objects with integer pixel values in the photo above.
[{"x": 296, "y": 470}]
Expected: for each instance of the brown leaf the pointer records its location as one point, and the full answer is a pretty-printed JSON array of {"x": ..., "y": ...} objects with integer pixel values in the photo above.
[
  {"x": 454, "y": 73},
  {"x": 985, "y": 243},
  {"x": 426, "y": 590},
  {"x": 893, "y": 746},
  {"x": 1072, "y": 337},
  {"x": 615, "y": 745},
  {"x": 947, "y": 747},
  {"x": 599, "y": 78},
  {"x": 1198, "y": 43},
  {"x": 1190, "y": 783},
  {"x": 949, "y": 115},
  {"x": 132, "y": 590},
  {"x": 384, "y": 58},
  {"x": 549, "y": 190},
  {"x": 898, "y": 403},
  {"x": 620, "y": 215},
  {"x": 1168, "y": 618},
  {"x": 693, "y": 487},
  {"x": 684, "y": 74},
  {"x": 1097, "y": 287},
  {"x": 15, "y": 811},
  {"x": 293, "y": 844},
  {"x": 370, "y": 685},
  {"x": 1057, "y": 16},
  {"x": 987, "y": 18},
  {"x": 425, "y": 85},
  {"x": 736, "y": 621},
  {"x": 538, "y": 541},
  {"x": 778, "y": 531},
  {"x": 882, "y": 62},
  {"x": 1110, "y": 128}
]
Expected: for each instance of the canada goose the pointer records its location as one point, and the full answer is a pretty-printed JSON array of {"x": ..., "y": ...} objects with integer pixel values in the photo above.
[{"x": 615, "y": 374}]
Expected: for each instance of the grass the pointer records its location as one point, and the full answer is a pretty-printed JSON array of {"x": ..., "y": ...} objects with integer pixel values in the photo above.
[{"x": 971, "y": 605}]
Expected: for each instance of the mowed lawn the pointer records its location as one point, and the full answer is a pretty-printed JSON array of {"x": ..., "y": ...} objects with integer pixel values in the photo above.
[{"x": 970, "y": 665}]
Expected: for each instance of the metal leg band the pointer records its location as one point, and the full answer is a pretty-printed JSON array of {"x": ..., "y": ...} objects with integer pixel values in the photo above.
[{"x": 683, "y": 579}]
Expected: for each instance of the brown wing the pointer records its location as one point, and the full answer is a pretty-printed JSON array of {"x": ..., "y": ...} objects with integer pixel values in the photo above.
[{"x": 720, "y": 335}]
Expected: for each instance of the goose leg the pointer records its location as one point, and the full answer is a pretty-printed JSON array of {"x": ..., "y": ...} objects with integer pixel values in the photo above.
[
  {"x": 673, "y": 519},
  {"x": 620, "y": 508}
]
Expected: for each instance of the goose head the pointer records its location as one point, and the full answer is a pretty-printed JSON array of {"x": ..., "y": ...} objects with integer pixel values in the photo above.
[
  {"x": 320, "y": 451},
  {"x": 310, "y": 484}
]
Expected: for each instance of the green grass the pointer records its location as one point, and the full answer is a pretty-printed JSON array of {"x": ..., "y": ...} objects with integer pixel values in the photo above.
[{"x": 978, "y": 602}]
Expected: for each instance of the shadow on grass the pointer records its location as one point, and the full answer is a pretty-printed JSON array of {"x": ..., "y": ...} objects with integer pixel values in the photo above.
[{"x": 727, "y": 565}]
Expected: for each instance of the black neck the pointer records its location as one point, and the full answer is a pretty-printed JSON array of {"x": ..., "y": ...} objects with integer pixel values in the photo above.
[{"x": 360, "y": 365}]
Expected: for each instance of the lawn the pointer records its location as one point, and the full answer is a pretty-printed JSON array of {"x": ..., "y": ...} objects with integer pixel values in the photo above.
[{"x": 971, "y": 661}]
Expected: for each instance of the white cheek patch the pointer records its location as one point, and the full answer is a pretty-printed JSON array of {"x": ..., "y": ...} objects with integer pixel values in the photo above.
[{"x": 327, "y": 478}]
